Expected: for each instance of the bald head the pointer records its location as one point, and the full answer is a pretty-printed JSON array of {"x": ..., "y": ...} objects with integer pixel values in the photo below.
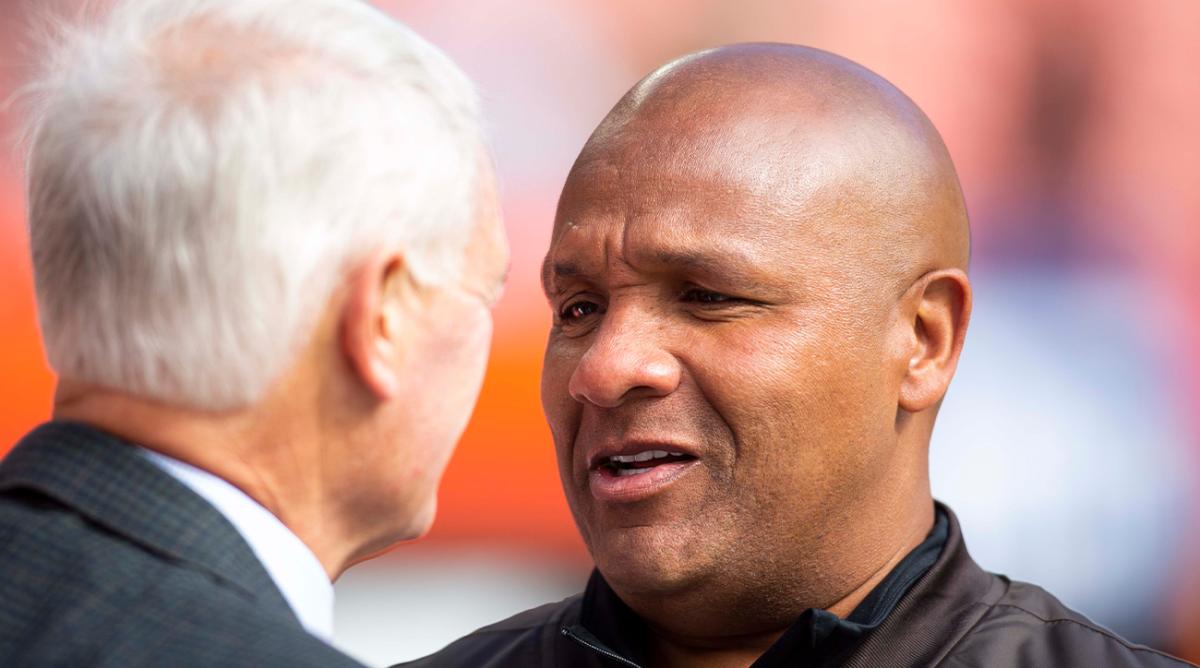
[
  {"x": 758, "y": 264},
  {"x": 807, "y": 135}
]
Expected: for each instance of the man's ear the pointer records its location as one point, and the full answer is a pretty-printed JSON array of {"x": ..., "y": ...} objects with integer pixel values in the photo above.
[
  {"x": 940, "y": 311},
  {"x": 372, "y": 329}
]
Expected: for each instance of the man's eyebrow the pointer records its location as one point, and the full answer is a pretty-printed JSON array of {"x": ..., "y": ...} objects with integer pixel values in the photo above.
[
  {"x": 555, "y": 270},
  {"x": 689, "y": 260},
  {"x": 727, "y": 264},
  {"x": 730, "y": 265}
]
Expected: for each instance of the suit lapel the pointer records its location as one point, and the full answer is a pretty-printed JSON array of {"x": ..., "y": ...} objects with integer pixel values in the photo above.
[{"x": 110, "y": 483}]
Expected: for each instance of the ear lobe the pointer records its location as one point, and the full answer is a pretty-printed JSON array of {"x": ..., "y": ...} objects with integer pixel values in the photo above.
[
  {"x": 371, "y": 331},
  {"x": 943, "y": 311}
]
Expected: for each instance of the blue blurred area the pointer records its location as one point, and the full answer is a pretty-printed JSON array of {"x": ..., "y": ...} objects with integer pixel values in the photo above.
[{"x": 1058, "y": 447}]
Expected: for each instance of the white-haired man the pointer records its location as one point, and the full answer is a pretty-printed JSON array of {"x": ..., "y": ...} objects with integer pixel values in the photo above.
[{"x": 266, "y": 243}]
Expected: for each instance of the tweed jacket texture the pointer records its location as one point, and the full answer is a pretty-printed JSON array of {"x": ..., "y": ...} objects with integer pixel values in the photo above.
[{"x": 105, "y": 560}]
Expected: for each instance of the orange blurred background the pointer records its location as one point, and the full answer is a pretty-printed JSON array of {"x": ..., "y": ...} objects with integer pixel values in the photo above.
[{"x": 1074, "y": 127}]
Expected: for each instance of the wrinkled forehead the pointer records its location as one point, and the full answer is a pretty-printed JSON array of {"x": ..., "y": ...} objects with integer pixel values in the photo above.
[
  {"x": 767, "y": 155},
  {"x": 790, "y": 187},
  {"x": 734, "y": 195},
  {"x": 773, "y": 160},
  {"x": 611, "y": 231}
]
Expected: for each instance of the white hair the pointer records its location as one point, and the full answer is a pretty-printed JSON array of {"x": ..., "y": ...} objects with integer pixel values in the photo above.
[{"x": 202, "y": 173}]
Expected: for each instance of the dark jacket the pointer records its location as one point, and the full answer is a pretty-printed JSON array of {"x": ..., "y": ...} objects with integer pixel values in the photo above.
[
  {"x": 950, "y": 614},
  {"x": 105, "y": 560}
]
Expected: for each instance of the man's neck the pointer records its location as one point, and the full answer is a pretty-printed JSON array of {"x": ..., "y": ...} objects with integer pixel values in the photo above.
[
  {"x": 669, "y": 647},
  {"x": 229, "y": 445}
]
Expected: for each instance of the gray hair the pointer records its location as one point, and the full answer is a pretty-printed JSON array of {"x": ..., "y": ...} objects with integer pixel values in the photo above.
[{"x": 202, "y": 173}]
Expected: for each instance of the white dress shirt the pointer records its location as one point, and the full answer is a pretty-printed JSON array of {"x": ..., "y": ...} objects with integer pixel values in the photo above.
[{"x": 293, "y": 567}]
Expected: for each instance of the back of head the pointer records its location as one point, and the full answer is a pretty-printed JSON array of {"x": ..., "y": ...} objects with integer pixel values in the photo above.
[{"x": 201, "y": 173}]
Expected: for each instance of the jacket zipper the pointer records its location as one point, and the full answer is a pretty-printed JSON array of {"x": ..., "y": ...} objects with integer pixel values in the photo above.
[{"x": 596, "y": 648}]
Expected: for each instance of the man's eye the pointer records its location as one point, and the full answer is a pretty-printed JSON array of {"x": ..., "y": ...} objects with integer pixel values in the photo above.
[
  {"x": 577, "y": 310},
  {"x": 705, "y": 296}
]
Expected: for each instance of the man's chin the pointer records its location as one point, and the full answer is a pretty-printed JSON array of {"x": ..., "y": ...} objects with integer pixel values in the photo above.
[
  {"x": 410, "y": 527},
  {"x": 646, "y": 561},
  {"x": 421, "y": 521}
]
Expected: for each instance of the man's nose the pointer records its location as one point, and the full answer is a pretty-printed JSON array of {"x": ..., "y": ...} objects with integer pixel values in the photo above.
[{"x": 626, "y": 360}]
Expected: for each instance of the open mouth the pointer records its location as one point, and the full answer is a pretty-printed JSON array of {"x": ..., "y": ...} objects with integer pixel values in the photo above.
[
  {"x": 640, "y": 463},
  {"x": 638, "y": 472}
]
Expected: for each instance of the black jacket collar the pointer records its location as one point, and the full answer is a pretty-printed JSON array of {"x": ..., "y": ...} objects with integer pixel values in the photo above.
[{"x": 816, "y": 638}]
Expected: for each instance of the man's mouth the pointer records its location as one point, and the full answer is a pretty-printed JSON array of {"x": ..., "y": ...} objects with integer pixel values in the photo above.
[
  {"x": 640, "y": 463},
  {"x": 636, "y": 474}
]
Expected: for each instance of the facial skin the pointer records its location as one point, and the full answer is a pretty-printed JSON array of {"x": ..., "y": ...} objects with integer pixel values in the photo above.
[{"x": 758, "y": 262}]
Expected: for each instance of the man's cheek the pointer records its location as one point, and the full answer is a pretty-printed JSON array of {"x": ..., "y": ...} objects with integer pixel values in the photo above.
[
  {"x": 556, "y": 374},
  {"x": 562, "y": 417}
]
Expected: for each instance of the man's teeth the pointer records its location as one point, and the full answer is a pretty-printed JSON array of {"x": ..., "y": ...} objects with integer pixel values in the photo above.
[
  {"x": 629, "y": 472},
  {"x": 643, "y": 456}
]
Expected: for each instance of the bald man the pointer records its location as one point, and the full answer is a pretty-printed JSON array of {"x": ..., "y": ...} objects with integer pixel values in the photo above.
[{"x": 758, "y": 278}]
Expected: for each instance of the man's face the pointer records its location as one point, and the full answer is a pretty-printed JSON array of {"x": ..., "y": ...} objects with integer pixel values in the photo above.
[{"x": 713, "y": 375}]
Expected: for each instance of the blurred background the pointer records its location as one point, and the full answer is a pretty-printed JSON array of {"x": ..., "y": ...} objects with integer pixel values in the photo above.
[{"x": 1070, "y": 442}]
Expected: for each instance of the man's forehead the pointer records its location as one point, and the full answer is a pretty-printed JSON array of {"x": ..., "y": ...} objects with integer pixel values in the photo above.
[
  {"x": 666, "y": 155},
  {"x": 736, "y": 180},
  {"x": 688, "y": 196},
  {"x": 598, "y": 248}
]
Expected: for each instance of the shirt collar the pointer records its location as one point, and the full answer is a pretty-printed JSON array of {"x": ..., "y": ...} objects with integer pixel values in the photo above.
[
  {"x": 821, "y": 638},
  {"x": 293, "y": 567},
  {"x": 817, "y": 637}
]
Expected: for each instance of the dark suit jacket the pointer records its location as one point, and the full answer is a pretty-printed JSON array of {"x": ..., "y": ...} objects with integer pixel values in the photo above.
[{"x": 105, "y": 560}]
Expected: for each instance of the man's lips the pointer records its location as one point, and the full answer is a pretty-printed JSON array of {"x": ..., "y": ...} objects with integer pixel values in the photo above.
[
  {"x": 638, "y": 452},
  {"x": 636, "y": 470}
]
